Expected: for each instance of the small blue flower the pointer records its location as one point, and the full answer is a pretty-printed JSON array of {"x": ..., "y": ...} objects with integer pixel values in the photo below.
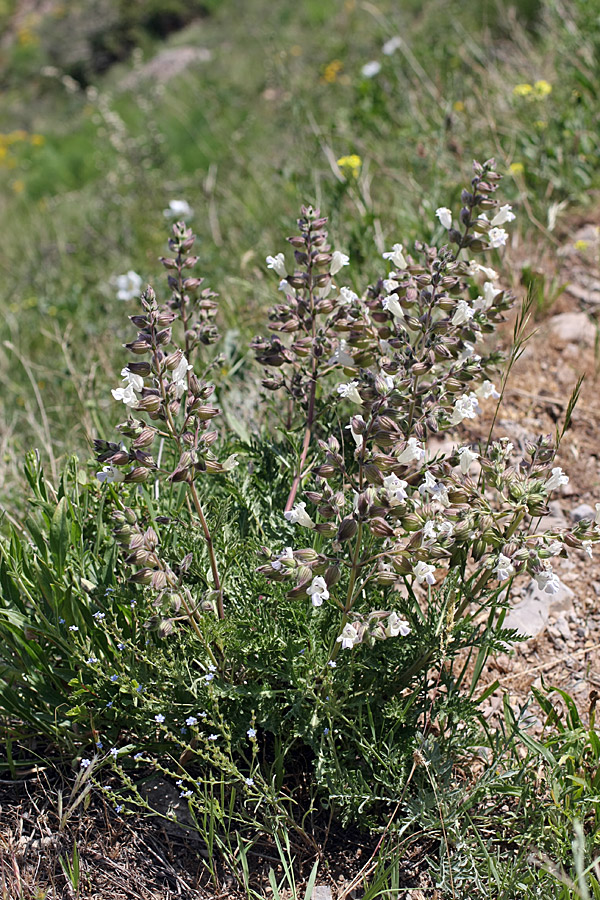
[
  {"x": 114, "y": 678},
  {"x": 99, "y": 615},
  {"x": 85, "y": 763},
  {"x": 183, "y": 730},
  {"x": 249, "y": 781},
  {"x": 326, "y": 731},
  {"x": 332, "y": 663},
  {"x": 212, "y": 668},
  {"x": 114, "y": 752},
  {"x": 73, "y": 628},
  {"x": 213, "y": 737},
  {"x": 92, "y": 660},
  {"x": 119, "y": 808},
  {"x": 251, "y": 733},
  {"x": 138, "y": 756},
  {"x": 209, "y": 677},
  {"x": 61, "y": 621},
  {"x": 140, "y": 688},
  {"x": 109, "y": 704},
  {"x": 191, "y": 720},
  {"x": 159, "y": 718},
  {"x": 120, "y": 646},
  {"x": 185, "y": 794},
  {"x": 99, "y": 745}
]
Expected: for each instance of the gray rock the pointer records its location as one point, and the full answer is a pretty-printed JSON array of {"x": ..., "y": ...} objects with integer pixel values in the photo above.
[
  {"x": 321, "y": 892},
  {"x": 575, "y": 327},
  {"x": 555, "y": 520},
  {"x": 530, "y": 616},
  {"x": 163, "y": 798},
  {"x": 583, "y": 511},
  {"x": 562, "y": 626}
]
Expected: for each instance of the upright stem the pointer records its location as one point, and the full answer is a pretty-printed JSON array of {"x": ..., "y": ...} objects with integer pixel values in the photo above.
[{"x": 306, "y": 442}]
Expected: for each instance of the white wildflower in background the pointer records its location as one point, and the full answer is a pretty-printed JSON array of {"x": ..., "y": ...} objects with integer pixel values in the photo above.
[
  {"x": 587, "y": 546},
  {"x": 445, "y": 216},
  {"x": 391, "y": 45},
  {"x": 179, "y": 377},
  {"x": 396, "y": 625},
  {"x": 467, "y": 456},
  {"x": 413, "y": 450},
  {"x": 396, "y": 256},
  {"x": 497, "y": 237},
  {"x": 347, "y": 295},
  {"x": 390, "y": 285},
  {"x": 287, "y": 289},
  {"x": 358, "y": 437},
  {"x": 317, "y": 591},
  {"x": 277, "y": 263},
  {"x": 547, "y": 581},
  {"x": 128, "y": 286},
  {"x": 475, "y": 268},
  {"x": 371, "y": 69},
  {"x": 490, "y": 292},
  {"x": 465, "y": 407},
  {"x": 395, "y": 488},
  {"x": 424, "y": 573},
  {"x": 127, "y": 395},
  {"x": 130, "y": 378},
  {"x": 463, "y": 313},
  {"x": 392, "y": 304},
  {"x": 349, "y": 637},
  {"x": 178, "y": 208},
  {"x": 487, "y": 390},
  {"x": 504, "y": 214},
  {"x": 85, "y": 763},
  {"x": 504, "y": 568},
  {"x": 557, "y": 479},
  {"x": 288, "y": 554},
  {"x": 349, "y": 391},
  {"x": 338, "y": 261},
  {"x": 341, "y": 357},
  {"x": 110, "y": 475},
  {"x": 298, "y": 515},
  {"x": 159, "y": 718}
]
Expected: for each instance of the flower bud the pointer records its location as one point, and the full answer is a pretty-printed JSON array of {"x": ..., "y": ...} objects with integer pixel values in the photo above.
[
  {"x": 326, "y": 528},
  {"x": 347, "y": 529},
  {"x": 149, "y": 403},
  {"x": 159, "y": 580},
  {"x": 332, "y": 575},
  {"x": 143, "y": 576},
  {"x": 380, "y": 527},
  {"x": 137, "y": 475},
  {"x": 411, "y": 522}
]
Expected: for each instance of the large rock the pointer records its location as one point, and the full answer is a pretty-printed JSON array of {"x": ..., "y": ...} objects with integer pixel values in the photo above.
[
  {"x": 574, "y": 328},
  {"x": 530, "y": 615}
]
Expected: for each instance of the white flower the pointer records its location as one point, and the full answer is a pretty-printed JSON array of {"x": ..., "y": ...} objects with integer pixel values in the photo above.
[
  {"x": 136, "y": 381},
  {"x": 489, "y": 293},
  {"x": 338, "y": 261},
  {"x": 298, "y": 515},
  {"x": 347, "y": 296},
  {"x": 287, "y": 289},
  {"x": 278, "y": 264},
  {"x": 424, "y": 572},
  {"x": 413, "y": 450},
  {"x": 435, "y": 488},
  {"x": 341, "y": 357},
  {"x": 391, "y": 45},
  {"x": 388, "y": 379},
  {"x": 445, "y": 216},
  {"x": 358, "y": 438},
  {"x": 110, "y": 475},
  {"x": 179, "y": 376},
  {"x": 128, "y": 286},
  {"x": 468, "y": 353},
  {"x": 85, "y": 763},
  {"x": 587, "y": 546},
  {"x": 178, "y": 208},
  {"x": 395, "y": 488},
  {"x": 126, "y": 394},
  {"x": 487, "y": 390},
  {"x": 463, "y": 313},
  {"x": 547, "y": 581},
  {"x": 159, "y": 718},
  {"x": 350, "y": 392},
  {"x": 557, "y": 478},
  {"x": 349, "y": 637},
  {"x": 370, "y": 69},
  {"x": 396, "y": 625},
  {"x": 504, "y": 214},
  {"x": 467, "y": 456},
  {"x": 497, "y": 237},
  {"x": 445, "y": 529},
  {"x": 392, "y": 304},
  {"x": 288, "y": 554},
  {"x": 396, "y": 256},
  {"x": 429, "y": 533},
  {"x": 317, "y": 591},
  {"x": 191, "y": 721},
  {"x": 555, "y": 547},
  {"x": 504, "y": 568},
  {"x": 390, "y": 285},
  {"x": 465, "y": 407},
  {"x": 475, "y": 268}
]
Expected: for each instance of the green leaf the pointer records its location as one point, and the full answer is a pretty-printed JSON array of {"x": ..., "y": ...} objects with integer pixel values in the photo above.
[{"x": 59, "y": 534}]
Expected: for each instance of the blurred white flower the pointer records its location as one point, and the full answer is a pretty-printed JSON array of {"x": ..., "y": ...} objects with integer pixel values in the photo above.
[
  {"x": 371, "y": 69},
  {"x": 424, "y": 572},
  {"x": 317, "y": 591},
  {"x": 349, "y": 637},
  {"x": 287, "y": 289},
  {"x": 338, "y": 261},
  {"x": 396, "y": 489},
  {"x": 487, "y": 390},
  {"x": 390, "y": 46},
  {"x": 465, "y": 407},
  {"x": 178, "y": 208},
  {"x": 347, "y": 295},
  {"x": 504, "y": 214},
  {"x": 277, "y": 263},
  {"x": 413, "y": 450},
  {"x": 396, "y": 625},
  {"x": 392, "y": 304},
  {"x": 350, "y": 392},
  {"x": 467, "y": 456},
  {"x": 489, "y": 293},
  {"x": 128, "y": 286},
  {"x": 504, "y": 568},
  {"x": 557, "y": 478},
  {"x": 497, "y": 237},
  {"x": 463, "y": 313},
  {"x": 396, "y": 256},
  {"x": 110, "y": 475},
  {"x": 298, "y": 515},
  {"x": 136, "y": 381},
  {"x": 127, "y": 395},
  {"x": 445, "y": 216}
]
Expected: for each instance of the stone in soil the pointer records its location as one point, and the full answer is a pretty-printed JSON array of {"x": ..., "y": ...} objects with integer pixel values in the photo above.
[
  {"x": 574, "y": 327},
  {"x": 529, "y": 617},
  {"x": 583, "y": 511}
]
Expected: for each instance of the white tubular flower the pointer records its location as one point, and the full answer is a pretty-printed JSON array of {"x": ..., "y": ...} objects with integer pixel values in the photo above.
[
  {"x": 349, "y": 391},
  {"x": 445, "y": 216},
  {"x": 413, "y": 450},
  {"x": 555, "y": 547},
  {"x": 277, "y": 263},
  {"x": 341, "y": 355},
  {"x": 298, "y": 515},
  {"x": 136, "y": 381},
  {"x": 392, "y": 304},
  {"x": 371, "y": 69},
  {"x": 557, "y": 478},
  {"x": 287, "y": 289},
  {"x": 424, "y": 572},
  {"x": 587, "y": 546},
  {"x": 429, "y": 534},
  {"x": 389, "y": 285},
  {"x": 283, "y": 559},
  {"x": 489, "y": 293},
  {"x": 396, "y": 256},
  {"x": 465, "y": 407},
  {"x": 433, "y": 487},
  {"x": 178, "y": 208},
  {"x": 317, "y": 591},
  {"x": 504, "y": 568},
  {"x": 475, "y": 268},
  {"x": 547, "y": 581},
  {"x": 396, "y": 489},
  {"x": 467, "y": 456},
  {"x": 497, "y": 237},
  {"x": 463, "y": 313},
  {"x": 391, "y": 45},
  {"x": 504, "y": 214},
  {"x": 127, "y": 395},
  {"x": 128, "y": 286},
  {"x": 487, "y": 390},
  {"x": 110, "y": 475},
  {"x": 179, "y": 376},
  {"x": 347, "y": 296},
  {"x": 389, "y": 380},
  {"x": 349, "y": 637},
  {"x": 396, "y": 625},
  {"x": 445, "y": 529},
  {"x": 358, "y": 438},
  {"x": 338, "y": 261}
]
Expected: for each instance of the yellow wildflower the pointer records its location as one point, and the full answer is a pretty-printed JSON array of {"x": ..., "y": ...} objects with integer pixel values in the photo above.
[
  {"x": 37, "y": 140},
  {"x": 332, "y": 70},
  {"x": 18, "y": 186},
  {"x": 459, "y": 106},
  {"x": 350, "y": 164},
  {"x": 522, "y": 90},
  {"x": 581, "y": 245},
  {"x": 542, "y": 88},
  {"x": 516, "y": 168}
]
